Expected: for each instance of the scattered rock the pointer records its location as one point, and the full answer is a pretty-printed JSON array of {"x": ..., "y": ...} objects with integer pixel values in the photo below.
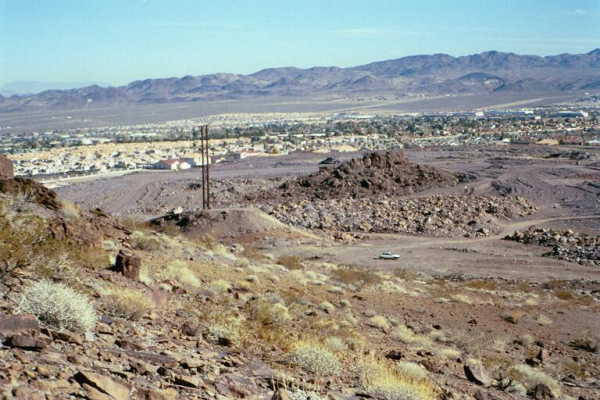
[
  {"x": 566, "y": 245},
  {"x": 96, "y": 383},
  {"x": 128, "y": 264},
  {"x": 27, "y": 342},
  {"x": 542, "y": 392},
  {"x": 476, "y": 373}
]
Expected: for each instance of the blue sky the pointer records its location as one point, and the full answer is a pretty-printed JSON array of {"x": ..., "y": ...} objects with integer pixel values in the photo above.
[{"x": 117, "y": 41}]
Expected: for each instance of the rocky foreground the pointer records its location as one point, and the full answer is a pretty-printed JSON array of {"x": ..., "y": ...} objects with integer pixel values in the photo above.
[
  {"x": 449, "y": 215},
  {"x": 566, "y": 245},
  {"x": 129, "y": 313}
]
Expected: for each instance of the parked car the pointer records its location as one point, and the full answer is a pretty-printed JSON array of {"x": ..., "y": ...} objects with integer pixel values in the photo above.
[{"x": 388, "y": 255}]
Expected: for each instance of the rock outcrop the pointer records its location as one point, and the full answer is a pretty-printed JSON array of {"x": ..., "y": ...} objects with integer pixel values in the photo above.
[
  {"x": 376, "y": 173},
  {"x": 6, "y": 168}
]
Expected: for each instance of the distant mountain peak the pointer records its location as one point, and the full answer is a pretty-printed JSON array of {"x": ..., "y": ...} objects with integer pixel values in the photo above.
[{"x": 438, "y": 74}]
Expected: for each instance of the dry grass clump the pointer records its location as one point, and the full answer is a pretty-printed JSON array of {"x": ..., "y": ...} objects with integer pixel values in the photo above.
[
  {"x": 461, "y": 298},
  {"x": 379, "y": 322},
  {"x": 314, "y": 357},
  {"x": 327, "y": 307},
  {"x": 58, "y": 305},
  {"x": 526, "y": 340},
  {"x": 179, "y": 271},
  {"x": 405, "y": 274},
  {"x": 220, "y": 286},
  {"x": 448, "y": 353},
  {"x": 543, "y": 320},
  {"x": 404, "y": 334},
  {"x": 290, "y": 262},
  {"x": 145, "y": 241},
  {"x": 69, "y": 209},
  {"x": 531, "y": 377},
  {"x": 335, "y": 344},
  {"x": 127, "y": 303},
  {"x": 382, "y": 379},
  {"x": 270, "y": 314},
  {"x": 481, "y": 284},
  {"x": 223, "y": 333},
  {"x": 411, "y": 369}
]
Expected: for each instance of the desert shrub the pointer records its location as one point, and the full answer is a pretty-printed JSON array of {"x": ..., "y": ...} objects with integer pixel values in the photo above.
[
  {"x": 290, "y": 262},
  {"x": 355, "y": 276},
  {"x": 314, "y": 357},
  {"x": 586, "y": 343},
  {"x": 127, "y": 303},
  {"x": 58, "y": 305},
  {"x": 514, "y": 316},
  {"x": 564, "y": 294},
  {"x": 382, "y": 379},
  {"x": 223, "y": 333},
  {"x": 179, "y": 271},
  {"x": 405, "y": 274},
  {"x": 90, "y": 257},
  {"x": 254, "y": 254},
  {"x": 145, "y": 241},
  {"x": 531, "y": 377},
  {"x": 25, "y": 241}
]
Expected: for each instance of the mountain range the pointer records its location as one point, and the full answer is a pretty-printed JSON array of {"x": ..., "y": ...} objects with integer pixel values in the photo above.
[{"x": 437, "y": 74}]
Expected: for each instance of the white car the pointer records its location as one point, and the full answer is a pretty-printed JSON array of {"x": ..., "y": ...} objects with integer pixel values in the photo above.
[{"x": 388, "y": 255}]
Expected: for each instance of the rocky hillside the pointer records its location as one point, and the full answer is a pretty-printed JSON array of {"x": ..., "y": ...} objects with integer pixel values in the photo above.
[
  {"x": 485, "y": 72},
  {"x": 133, "y": 314}
]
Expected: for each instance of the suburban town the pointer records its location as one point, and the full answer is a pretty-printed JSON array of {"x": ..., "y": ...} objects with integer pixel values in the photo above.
[{"x": 171, "y": 146}]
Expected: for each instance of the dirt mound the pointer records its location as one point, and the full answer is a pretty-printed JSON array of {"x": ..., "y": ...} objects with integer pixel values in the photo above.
[
  {"x": 450, "y": 215},
  {"x": 238, "y": 223},
  {"x": 375, "y": 173},
  {"x": 6, "y": 168}
]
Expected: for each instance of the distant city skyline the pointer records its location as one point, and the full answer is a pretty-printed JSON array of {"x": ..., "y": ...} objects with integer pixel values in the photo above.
[{"x": 117, "y": 42}]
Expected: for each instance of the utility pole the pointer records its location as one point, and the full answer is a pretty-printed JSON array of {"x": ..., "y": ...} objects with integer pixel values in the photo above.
[{"x": 202, "y": 131}]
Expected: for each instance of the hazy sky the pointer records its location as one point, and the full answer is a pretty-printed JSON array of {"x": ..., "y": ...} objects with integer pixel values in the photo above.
[{"x": 117, "y": 41}]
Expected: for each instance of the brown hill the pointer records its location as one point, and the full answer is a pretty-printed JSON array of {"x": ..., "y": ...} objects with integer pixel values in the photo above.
[{"x": 375, "y": 173}]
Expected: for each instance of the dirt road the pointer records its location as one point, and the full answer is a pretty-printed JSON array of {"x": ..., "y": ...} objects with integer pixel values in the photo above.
[{"x": 484, "y": 257}]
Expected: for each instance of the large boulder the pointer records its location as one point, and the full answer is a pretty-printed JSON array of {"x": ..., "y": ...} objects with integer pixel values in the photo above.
[{"x": 6, "y": 168}]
